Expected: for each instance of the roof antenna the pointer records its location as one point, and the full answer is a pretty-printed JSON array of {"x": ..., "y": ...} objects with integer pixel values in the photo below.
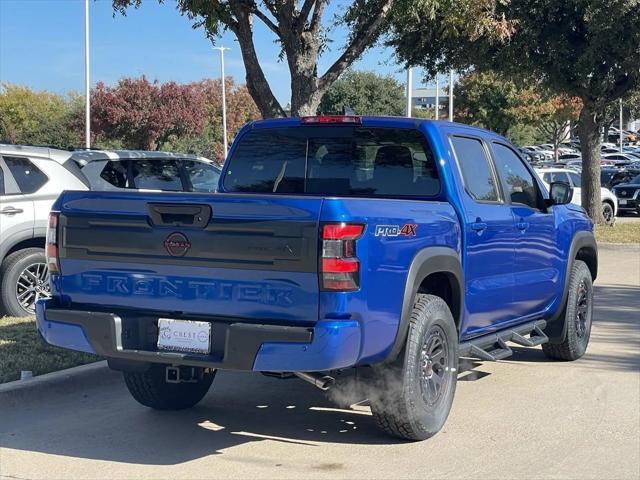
[{"x": 347, "y": 110}]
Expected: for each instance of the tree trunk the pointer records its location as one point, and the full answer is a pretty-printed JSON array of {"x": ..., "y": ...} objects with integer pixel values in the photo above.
[
  {"x": 257, "y": 84},
  {"x": 590, "y": 141}
]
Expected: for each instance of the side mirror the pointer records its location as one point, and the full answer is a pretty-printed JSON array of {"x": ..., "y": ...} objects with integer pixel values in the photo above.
[{"x": 560, "y": 193}]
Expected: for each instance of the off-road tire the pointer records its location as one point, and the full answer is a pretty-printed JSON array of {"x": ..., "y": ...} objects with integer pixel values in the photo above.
[
  {"x": 12, "y": 266},
  {"x": 576, "y": 337},
  {"x": 151, "y": 389},
  {"x": 400, "y": 403}
]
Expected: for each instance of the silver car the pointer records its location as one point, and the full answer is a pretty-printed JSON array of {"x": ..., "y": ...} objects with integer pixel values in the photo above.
[{"x": 31, "y": 178}]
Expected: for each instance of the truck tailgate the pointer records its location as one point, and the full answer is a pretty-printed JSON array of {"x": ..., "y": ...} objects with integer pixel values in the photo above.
[{"x": 231, "y": 255}]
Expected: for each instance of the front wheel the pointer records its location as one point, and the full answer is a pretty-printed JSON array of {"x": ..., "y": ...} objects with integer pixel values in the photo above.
[
  {"x": 577, "y": 316},
  {"x": 152, "y": 389},
  {"x": 416, "y": 391}
]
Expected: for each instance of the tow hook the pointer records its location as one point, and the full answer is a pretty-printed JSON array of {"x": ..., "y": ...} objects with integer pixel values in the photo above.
[{"x": 323, "y": 382}]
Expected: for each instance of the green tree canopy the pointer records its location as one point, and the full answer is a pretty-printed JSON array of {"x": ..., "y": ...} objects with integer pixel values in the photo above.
[
  {"x": 39, "y": 118},
  {"x": 367, "y": 93},
  {"x": 588, "y": 49}
]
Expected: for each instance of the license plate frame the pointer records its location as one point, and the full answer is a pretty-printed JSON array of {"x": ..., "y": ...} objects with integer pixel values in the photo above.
[{"x": 184, "y": 336}]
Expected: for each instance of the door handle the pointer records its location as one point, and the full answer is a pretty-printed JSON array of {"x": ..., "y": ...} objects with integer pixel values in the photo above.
[
  {"x": 522, "y": 226},
  {"x": 478, "y": 227},
  {"x": 11, "y": 211}
]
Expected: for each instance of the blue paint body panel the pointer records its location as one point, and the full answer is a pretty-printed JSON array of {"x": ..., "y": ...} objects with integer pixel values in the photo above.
[
  {"x": 61, "y": 334},
  {"x": 510, "y": 276}
]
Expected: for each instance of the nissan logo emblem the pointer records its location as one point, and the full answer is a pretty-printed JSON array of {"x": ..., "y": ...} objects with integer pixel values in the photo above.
[{"x": 177, "y": 244}]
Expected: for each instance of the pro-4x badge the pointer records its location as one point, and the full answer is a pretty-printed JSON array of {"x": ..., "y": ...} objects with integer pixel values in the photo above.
[{"x": 407, "y": 230}]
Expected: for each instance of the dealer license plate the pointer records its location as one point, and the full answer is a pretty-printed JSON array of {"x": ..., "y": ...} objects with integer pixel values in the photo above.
[
  {"x": 622, "y": 201},
  {"x": 184, "y": 335}
]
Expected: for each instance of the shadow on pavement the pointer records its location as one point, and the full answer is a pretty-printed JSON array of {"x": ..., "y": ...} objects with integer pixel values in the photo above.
[
  {"x": 240, "y": 408},
  {"x": 616, "y": 328},
  {"x": 99, "y": 420}
]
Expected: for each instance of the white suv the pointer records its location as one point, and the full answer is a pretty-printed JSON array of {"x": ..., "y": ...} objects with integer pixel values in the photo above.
[
  {"x": 609, "y": 200},
  {"x": 31, "y": 178}
]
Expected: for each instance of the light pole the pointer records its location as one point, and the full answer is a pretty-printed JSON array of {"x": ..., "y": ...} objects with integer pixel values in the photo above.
[
  {"x": 409, "y": 90},
  {"x": 451, "y": 95},
  {"x": 224, "y": 100},
  {"x": 87, "y": 83},
  {"x": 437, "y": 115},
  {"x": 620, "y": 125}
]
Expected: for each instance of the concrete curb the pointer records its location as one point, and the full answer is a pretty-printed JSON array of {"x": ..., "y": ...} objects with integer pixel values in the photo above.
[{"x": 53, "y": 377}]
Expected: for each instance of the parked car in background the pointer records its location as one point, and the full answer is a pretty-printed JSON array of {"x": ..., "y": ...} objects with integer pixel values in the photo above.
[
  {"x": 570, "y": 156},
  {"x": 619, "y": 158},
  {"x": 609, "y": 200},
  {"x": 574, "y": 165},
  {"x": 31, "y": 178},
  {"x": 547, "y": 154},
  {"x": 140, "y": 170},
  {"x": 531, "y": 156},
  {"x": 628, "y": 194}
]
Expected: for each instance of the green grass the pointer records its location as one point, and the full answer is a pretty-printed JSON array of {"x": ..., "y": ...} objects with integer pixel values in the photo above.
[
  {"x": 627, "y": 232},
  {"x": 21, "y": 348}
]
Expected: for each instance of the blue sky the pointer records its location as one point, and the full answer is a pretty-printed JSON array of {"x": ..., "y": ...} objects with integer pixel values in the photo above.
[{"x": 42, "y": 46}]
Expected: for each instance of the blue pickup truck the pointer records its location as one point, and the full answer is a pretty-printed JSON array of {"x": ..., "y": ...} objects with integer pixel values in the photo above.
[{"x": 390, "y": 245}]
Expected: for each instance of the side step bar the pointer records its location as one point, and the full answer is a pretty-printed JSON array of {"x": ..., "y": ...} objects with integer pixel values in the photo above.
[{"x": 494, "y": 346}]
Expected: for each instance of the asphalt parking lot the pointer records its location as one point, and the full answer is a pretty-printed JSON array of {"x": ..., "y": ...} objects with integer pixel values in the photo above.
[{"x": 521, "y": 418}]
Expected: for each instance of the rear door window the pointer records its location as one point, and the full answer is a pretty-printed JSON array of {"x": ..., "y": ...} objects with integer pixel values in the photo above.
[
  {"x": 156, "y": 174},
  {"x": 28, "y": 177},
  {"x": 479, "y": 180},
  {"x": 333, "y": 161},
  {"x": 201, "y": 176}
]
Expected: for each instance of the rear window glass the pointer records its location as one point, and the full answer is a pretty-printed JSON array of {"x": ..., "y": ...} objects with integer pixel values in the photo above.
[
  {"x": 333, "y": 161},
  {"x": 28, "y": 177}
]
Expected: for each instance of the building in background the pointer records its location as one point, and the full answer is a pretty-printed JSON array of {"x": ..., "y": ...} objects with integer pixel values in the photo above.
[{"x": 425, "y": 98}]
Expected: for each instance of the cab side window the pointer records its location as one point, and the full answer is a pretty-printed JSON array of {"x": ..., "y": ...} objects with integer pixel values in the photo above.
[{"x": 518, "y": 182}]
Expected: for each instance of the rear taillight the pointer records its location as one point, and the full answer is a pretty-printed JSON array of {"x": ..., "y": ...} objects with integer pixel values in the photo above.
[
  {"x": 52, "y": 243},
  {"x": 339, "y": 265}
]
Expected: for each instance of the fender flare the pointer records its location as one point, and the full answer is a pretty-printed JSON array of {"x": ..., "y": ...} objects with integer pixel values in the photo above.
[
  {"x": 556, "y": 328},
  {"x": 426, "y": 262}
]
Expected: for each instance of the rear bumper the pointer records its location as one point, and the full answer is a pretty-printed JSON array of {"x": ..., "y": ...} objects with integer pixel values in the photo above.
[{"x": 328, "y": 345}]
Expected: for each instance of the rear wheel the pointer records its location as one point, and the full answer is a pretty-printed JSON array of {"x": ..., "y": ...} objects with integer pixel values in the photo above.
[
  {"x": 152, "y": 389},
  {"x": 417, "y": 390},
  {"x": 577, "y": 317},
  {"x": 607, "y": 213},
  {"x": 24, "y": 279}
]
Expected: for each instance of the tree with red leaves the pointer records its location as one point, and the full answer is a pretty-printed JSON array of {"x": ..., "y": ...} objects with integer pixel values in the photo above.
[{"x": 145, "y": 115}]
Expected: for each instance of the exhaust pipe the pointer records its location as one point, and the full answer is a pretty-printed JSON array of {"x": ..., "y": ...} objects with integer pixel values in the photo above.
[{"x": 323, "y": 382}]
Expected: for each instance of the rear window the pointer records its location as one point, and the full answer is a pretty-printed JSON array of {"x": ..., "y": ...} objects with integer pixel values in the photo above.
[{"x": 333, "y": 161}]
